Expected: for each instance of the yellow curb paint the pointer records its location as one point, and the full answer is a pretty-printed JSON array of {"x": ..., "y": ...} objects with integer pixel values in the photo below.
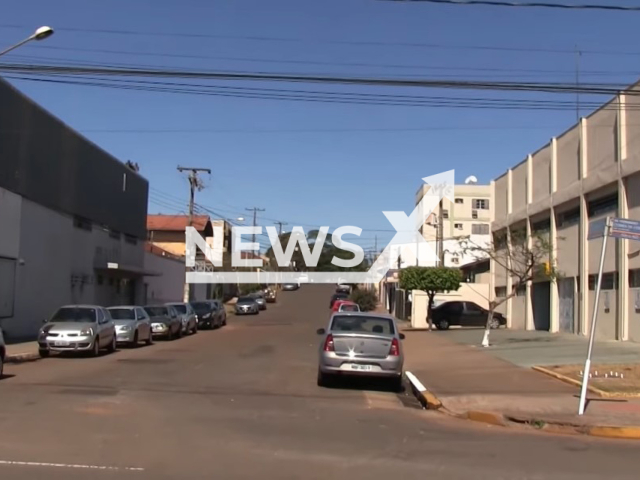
[
  {"x": 631, "y": 433},
  {"x": 486, "y": 417},
  {"x": 432, "y": 401},
  {"x": 578, "y": 383}
]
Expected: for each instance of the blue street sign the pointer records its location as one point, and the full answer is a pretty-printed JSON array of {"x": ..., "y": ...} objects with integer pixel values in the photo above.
[
  {"x": 625, "y": 228},
  {"x": 597, "y": 228}
]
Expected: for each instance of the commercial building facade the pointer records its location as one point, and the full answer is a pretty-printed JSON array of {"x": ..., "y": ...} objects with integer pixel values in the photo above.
[
  {"x": 587, "y": 173},
  {"x": 72, "y": 219}
]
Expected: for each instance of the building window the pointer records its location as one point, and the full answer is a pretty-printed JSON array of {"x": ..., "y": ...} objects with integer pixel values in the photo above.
[
  {"x": 609, "y": 281},
  {"x": 114, "y": 234},
  {"x": 474, "y": 214},
  {"x": 457, "y": 226},
  {"x": 541, "y": 226},
  {"x": 480, "y": 229},
  {"x": 99, "y": 279},
  {"x": 570, "y": 217},
  {"x": 455, "y": 260},
  {"x": 445, "y": 213},
  {"x": 521, "y": 290},
  {"x": 634, "y": 278},
  {"x": 82, "y": 223},
  {"x": 460, "y": 201},
  {"x": 480, "y": 204},
  {"x": 131, "y": 239},
  {"x": 603, "y": 205},
  {"x": 501, "y": 292}
]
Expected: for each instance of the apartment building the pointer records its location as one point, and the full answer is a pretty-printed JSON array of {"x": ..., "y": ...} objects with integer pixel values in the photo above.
[
  {"x": 469, "y": 215},
  {"x": 586, "y": 173}
]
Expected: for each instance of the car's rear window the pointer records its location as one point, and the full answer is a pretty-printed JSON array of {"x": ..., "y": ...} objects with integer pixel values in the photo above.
[
  {"x": 156, "y": 311},
  {"x": 362, "y": 324},
  {"x": 349, "y": 308}
]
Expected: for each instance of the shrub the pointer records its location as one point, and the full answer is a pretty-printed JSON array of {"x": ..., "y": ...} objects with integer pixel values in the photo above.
[{"x": 366, "y": 299}]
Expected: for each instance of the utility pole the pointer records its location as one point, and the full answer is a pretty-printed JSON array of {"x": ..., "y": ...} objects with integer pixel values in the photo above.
[
  {"x": 255, "y": 211},
  {"x": 578, "y": 55},
  {"x": 440, "y": 234},
  {"x": 280, "y": 225},
  {"x": 194, "y": 184}
]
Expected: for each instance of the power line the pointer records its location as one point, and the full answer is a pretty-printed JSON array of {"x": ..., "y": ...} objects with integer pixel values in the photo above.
[{"x": 496, "y": 3}]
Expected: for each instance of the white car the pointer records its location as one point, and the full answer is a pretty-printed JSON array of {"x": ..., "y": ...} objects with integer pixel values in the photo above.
[{"x": 3, "y": 353}]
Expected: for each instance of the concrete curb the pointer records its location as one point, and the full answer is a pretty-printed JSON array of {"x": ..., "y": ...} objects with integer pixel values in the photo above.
[
  {"x": 22, "y": 357},
  {"x": 578, "y": 383},
  {"x": 425, "y": 397},
  {"x": 432, "y": 402}
]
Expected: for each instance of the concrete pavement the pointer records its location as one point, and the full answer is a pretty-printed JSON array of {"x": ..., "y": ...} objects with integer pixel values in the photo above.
[{"x": 242, "y": 402}]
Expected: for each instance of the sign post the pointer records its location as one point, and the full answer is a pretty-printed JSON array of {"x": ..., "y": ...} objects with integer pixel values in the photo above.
[
  {"x": 598, "y": 228},
  {"x": 606, "y": 227}
]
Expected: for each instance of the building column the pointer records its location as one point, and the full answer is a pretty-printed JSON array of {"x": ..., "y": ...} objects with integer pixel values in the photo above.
[
  {"x": 622, "y": 245},
  {"x": 528, "y": 309},
  {"x": 583, "y": 258},
  {"x": 509, "y": 307},
  {"x": 554, "y": 303}
]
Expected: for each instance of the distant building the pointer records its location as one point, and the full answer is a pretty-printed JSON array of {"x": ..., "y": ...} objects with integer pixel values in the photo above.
[{"x": 72, "y": 219}]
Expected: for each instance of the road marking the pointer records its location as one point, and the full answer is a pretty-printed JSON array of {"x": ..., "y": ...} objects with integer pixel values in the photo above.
[{"x": 69, "y": 465}]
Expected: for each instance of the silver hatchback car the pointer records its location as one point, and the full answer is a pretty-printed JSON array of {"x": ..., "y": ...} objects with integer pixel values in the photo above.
[
  {"x": 78, "y": 328},
  {"x": 132, "y": 325},
  {"x": 361, "y": 344}
]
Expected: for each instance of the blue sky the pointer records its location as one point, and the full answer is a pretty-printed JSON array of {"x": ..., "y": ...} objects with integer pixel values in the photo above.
[{"x": 316, "y": 163}]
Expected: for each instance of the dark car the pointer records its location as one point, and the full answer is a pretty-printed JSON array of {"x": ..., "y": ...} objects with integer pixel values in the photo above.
[
  {"x": 165, "y": 321},
  {"x": 270, "y": 295},
  {"x": 210, "y": 313},
  {"x": 290, "y": 286},
  {"x": 465, "y": 314},
  {"x": 338, "y": 296}
]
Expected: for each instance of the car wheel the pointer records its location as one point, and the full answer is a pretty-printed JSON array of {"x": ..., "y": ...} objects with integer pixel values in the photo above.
[
  {"x": 396, "y": 384},
  {"x": 194, "y": 330},
  {"x": 95, "y": 351},
  {"x": 170, "y": 335},
  {"x": 149, "y": 340},
  {"x": 179, "y": 335},
  {"x": 324, "y": 380},
  {"x": 1, "y": 366},
  {"x": 134, "y": 343},
  {"x": 224, "y": 322},
  {"x": 443, "y": 325},
  {"x": 494, "y": 323},
  {"x": 43, "y": 352},
  {"x": 113, "y": 346}
]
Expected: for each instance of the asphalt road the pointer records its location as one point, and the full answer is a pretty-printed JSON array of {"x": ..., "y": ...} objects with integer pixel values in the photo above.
[{"x": 242, "y": 402}]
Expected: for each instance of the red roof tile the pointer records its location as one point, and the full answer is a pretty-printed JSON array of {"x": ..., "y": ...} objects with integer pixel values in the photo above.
[{"x": 175, "y": 223}]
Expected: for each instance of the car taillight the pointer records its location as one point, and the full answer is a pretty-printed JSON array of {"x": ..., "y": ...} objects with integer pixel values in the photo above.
[
  {"x": 328, "y": 344},
  {"x": 394, "y": 351}
]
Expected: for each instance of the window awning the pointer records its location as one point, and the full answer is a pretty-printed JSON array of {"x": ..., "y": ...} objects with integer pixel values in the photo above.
[{"x": 127, "y": 270}]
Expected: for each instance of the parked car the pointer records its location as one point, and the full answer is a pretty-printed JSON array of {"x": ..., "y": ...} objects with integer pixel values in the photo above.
[
  {"x": 132, "y": 325},
  {"x": 260, "y": 300},
  {"x": 466, "y": 314},
  {"x": 290, "y": 286},
  {"x": 348, "y": 307},
  {"x": 343, "y": 288},
  {"x": 337, "y": 296},
  {"x": 360, "y": 344},
  {"x": 246, "y": 305},
  {"x": 77, "y": 328},
  {"x": 165, "y": 321},
  {"x": 3, "y": 353},
  {"x": 187, "y": 316},
  {"x": 210, "y": 314},
  {"x": 270, "y": 296},
  {"x": 338, "y": 303}
]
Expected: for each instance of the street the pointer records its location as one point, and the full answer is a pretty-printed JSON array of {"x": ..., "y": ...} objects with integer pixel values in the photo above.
[{"x": 242, "y": 402}]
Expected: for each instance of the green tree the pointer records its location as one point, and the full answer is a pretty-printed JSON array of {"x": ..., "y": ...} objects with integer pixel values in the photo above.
[
  {"x": 366, "y": 299},
  {"x": 430, "y": 280}
]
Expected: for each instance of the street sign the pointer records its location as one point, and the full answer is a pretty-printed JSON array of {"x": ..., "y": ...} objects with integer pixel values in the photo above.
[
  {"x": 597, "y": 228},
  {"x": 625, "y": 228}
]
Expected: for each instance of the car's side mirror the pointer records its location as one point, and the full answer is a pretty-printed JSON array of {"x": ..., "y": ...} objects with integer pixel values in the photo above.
[
  {"x": 401, "y": 336},
  {"x": 321, "y": 331}
]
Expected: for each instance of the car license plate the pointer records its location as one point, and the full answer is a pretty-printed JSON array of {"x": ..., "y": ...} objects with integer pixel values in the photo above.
[
  {"x": 364, "y": 368},
  {"x": 61, "y": 344}
]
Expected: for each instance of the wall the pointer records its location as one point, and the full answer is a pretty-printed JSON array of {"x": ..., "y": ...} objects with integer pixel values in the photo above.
[
  {"x": 601, "y": 137},
  {"x": 519, "y": 187},
  {"x": 518, "y": 312},
  {"x": 167, "y": 287},
  {"x": 500, "y": 201},
  {"x": 568, "y": 158},
  {"x": 541, "y": 172},
  {"x": 45, "y": 161}
]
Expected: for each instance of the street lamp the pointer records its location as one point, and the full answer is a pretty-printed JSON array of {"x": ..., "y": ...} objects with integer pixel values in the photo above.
[{"x": 40, "y": 34}]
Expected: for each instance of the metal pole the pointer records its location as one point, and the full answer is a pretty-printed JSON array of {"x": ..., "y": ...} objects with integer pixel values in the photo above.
[
  {"x": 440, "y": 235},
  {"x": 594, "y": 319}
]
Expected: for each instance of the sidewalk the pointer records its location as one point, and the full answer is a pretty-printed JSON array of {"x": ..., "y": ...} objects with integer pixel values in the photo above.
[
  {"x": 467, "y": 378},
  {"x": 22, "y": 352}
]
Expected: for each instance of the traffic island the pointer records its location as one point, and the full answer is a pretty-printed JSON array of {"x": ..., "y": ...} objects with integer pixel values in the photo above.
[{"x": 620, "y": 380}]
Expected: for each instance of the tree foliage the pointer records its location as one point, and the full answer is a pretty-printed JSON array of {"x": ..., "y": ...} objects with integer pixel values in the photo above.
[
  {"x": 366, "y": 299},
  {"x": 430, "y": 280}
]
